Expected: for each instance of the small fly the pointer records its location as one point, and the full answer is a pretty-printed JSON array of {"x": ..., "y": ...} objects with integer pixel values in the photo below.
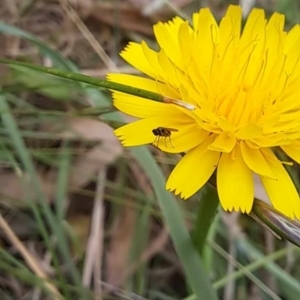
[{"x": 163, "y": 132}]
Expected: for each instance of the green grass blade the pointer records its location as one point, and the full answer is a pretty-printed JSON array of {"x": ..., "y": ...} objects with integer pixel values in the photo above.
[
  {"x": 87, "y": 79},
  {"x": 191, "y": 261},
  {"x": 62, "y": 181}
]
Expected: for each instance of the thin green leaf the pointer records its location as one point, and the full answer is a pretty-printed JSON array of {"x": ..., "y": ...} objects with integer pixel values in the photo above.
[
  {"x": 62, "y": 181},
  {"x": 192, "y": 264},
  {"x": 89, "y": 80}
]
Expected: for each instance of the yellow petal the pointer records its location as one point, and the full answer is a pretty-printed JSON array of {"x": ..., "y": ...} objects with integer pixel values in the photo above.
[
  {"x": 249, "y": 131},
  {"x": 230, "y": 31},
  {"x": 134, "y": 55},
  {"x": 256, "y": 161},
  {"x": 167, "y": 37},
  {"x": 223, "y": 142},
  {"x": 275, "y": 40},
  {"x": 207, "y": 34},
  {"x": 152, "y": 57},
  {"x": 282, "y": 191},
  {"x": 193, "y": 171},
  {"x": 251, "y": 47},
  {"x": 186, "y": 36},
  {"x": 184, "y": 136},
  {"x": 293, "y": 151},
  {"x": 169, "y": 69},
  {"x": 144, "y": 84},
  {"x": 290, "y": 48},
  {"x": 235, "y": 182},
  {"x": 292, "y": 38},
  {"x": 144, "y": 59},
  {"x": 143, "y": 108},
  {"x": 230, "y": 25}
]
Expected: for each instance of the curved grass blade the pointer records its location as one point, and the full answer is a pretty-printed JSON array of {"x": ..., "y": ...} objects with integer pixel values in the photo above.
[
  {"x": 183, "y": 244},
  {"x": 87, "y": 79},
  {"x": 279, "y": 224}
]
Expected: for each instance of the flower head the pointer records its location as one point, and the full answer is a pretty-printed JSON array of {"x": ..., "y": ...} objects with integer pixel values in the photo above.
[{"x": 233, "y": 95}]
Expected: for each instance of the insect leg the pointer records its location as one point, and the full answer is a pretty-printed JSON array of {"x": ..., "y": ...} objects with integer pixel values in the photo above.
[
  {"x": 171, "y": 142},
  {"x": 166, "y": 142},
  {"x": 157, "y": 141}
]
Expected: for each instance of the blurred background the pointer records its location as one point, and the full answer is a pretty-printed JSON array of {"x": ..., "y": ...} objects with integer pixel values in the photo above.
[{"x": 78, "y": 209}]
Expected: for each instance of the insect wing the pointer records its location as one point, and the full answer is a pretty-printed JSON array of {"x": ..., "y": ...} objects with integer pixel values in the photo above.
[{"x": 170, "y": 129}]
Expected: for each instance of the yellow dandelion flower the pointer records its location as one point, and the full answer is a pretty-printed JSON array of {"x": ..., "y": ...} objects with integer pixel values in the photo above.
[{"x": 236, "y": 96}]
